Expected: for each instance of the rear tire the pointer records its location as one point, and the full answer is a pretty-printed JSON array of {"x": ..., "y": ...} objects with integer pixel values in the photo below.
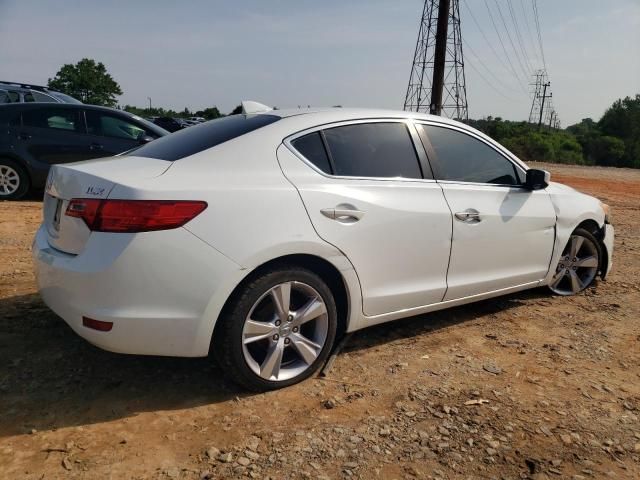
[
  {"x": 277, "y": 330},
  {"x": 14, "y": 180}
]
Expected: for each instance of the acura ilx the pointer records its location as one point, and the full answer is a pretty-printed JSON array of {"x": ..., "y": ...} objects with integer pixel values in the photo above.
[{"x": 261, "y": 237}]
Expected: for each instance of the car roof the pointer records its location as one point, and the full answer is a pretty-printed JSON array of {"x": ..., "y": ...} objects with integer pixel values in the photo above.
[
  {"x": 341, "y": 113},
  {"x": 26, "y": 86}
]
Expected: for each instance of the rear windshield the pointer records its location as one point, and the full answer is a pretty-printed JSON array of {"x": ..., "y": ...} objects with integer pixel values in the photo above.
[{"x": 192, "y": 140}]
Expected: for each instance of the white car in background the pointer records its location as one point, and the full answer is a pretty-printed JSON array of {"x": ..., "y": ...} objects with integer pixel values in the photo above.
[{"x": 262, "y": 236}]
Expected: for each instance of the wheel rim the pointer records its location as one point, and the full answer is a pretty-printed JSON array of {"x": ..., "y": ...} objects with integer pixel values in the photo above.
[
  {"x": 577, "y": 266},
  {"x": 9, "y": 180},
  {"x": 285, "y": 331}
]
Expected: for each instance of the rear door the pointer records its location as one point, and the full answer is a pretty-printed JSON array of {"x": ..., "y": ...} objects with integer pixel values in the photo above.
[
  {"x": 370, "y": 193},
  {"x": 110, "y": 134},
  {"x": 53, "y": 134},
  {"x": 503, "y": 234}
]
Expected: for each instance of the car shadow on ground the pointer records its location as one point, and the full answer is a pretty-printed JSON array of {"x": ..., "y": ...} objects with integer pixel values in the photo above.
[{"x": 50, "y": 378}]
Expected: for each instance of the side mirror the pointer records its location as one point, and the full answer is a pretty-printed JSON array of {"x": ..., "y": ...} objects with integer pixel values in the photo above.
[
  {"x": 537, "y": 179},
  {"x": 145, "y": 139}
]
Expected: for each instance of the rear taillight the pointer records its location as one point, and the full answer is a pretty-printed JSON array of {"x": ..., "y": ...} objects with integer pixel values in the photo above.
[{"x": 130, "y": 216}]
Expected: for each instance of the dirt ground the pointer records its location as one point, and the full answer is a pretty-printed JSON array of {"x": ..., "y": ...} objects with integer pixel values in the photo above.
[{"x": 524, "y": 386}]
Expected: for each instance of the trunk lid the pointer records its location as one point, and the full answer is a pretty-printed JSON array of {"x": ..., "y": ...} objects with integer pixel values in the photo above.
[{"x": 90, "y": 179}]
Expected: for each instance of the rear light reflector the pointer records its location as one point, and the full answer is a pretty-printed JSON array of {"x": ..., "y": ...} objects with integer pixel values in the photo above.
[
  {"x": 97, "y": 324},
  {"x": 131, "y": 216}
]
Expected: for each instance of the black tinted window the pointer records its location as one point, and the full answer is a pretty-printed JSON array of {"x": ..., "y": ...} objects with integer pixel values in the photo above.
[
  {"x": 373, "y": 150},
  {"x": 201, "y": 137},
  {"x": 99, "y": 123},
  {"x": 55, "y": 118},
  {"x": 312, "y": 147},
  {"x": 463, "y": 158}
]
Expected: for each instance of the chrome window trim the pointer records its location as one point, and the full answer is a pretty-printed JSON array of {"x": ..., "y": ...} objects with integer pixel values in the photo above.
[
  {"x": 410, "y": 128},
  {"x": 516, "y": 162}
]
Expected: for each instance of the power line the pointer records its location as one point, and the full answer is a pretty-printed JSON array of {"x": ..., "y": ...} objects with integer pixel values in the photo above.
[
  {"x": 518, "y": 36},
  {"x": 513, "y": 46},
  {"x": 506, "y": 67},
  {"x": 491, "y": 84},
  {"x": 537, "y": 21},
  {"x": 530, "y": 37},
  {"x": 495, "y": 27},
  {"x": 497, "y": 79}
]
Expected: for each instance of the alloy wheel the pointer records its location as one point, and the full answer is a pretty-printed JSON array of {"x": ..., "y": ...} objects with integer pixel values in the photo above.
[
  {"x": 285, "y": 331},
  {"x": 9, "y": 180},
  {"x": 577, "y": 266}
]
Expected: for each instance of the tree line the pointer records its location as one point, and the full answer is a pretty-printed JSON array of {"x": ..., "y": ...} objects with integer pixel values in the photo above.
[{"x": 613, "y": 140}]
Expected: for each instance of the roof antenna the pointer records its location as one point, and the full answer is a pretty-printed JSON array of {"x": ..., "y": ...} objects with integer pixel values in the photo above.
[{"x": 249, "y": 107}]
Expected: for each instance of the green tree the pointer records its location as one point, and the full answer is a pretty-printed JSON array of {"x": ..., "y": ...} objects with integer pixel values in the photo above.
[
  {"x": 209, "y": 113},
  {"x": 236, "y": 110},
  {"x": 87, "y": 81},
  {"x": 622, "y": 120}
]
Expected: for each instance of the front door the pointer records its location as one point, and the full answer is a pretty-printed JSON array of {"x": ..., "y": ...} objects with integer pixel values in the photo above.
[
  {"x": 503, "y": 234},
  {"x": 111, "y": 134},
  {"x": 368, "y": 194}
]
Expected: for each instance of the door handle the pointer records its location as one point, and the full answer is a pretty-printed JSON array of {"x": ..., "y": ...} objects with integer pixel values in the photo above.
[
  {"x": 96, "y": 146},
  {"x": 343, "y": 213},
  {"x": 470, "y": 215}
]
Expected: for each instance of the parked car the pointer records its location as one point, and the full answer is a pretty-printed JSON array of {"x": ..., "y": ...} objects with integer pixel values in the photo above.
[
  {"x": 198, "y": 119},
  {"x": 12, "y": 92},
  {"x": 171, "y": 124},
  {"x": 261, "y": 238},
  {"x": 34, "y": 136}
]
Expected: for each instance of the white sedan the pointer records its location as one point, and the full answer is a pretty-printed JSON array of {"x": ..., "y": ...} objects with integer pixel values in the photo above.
[{"x": 263, "y": 236}]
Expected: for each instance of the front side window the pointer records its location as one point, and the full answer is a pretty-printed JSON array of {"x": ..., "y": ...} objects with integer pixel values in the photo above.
[
  {"x": 379, "y": 150},
  {"x": 54, "y": 118},
  {"x": 105, "y": 125},
  {"x": 463, "y": 158}
]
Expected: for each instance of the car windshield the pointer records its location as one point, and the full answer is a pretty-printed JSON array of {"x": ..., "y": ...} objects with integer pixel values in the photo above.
[{"x": 202, "y": 137}]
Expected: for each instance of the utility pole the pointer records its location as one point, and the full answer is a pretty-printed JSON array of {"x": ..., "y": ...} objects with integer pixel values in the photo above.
[
  {"x": 439, "y": 57},
  {"x": 149, "y": 102},
  {"x": 437, "y": 82},
  {"x": 552, "y": 117},
  {"x": 544, "y": 97}
]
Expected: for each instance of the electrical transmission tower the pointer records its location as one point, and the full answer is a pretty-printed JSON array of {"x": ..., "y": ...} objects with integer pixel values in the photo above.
[
  {"x": 540, "y": 94},
  {"x": 437, "y": 82}
]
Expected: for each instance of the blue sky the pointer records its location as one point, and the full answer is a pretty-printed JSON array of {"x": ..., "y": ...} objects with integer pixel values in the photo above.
[{"x": 288, "y": 53}]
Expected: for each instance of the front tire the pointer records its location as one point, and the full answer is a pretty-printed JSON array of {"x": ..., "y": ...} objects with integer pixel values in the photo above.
[
  {"x": 14, "y": 180},
  {"x": 277, "y": 330},
  {"x": 578, "y": 265}
]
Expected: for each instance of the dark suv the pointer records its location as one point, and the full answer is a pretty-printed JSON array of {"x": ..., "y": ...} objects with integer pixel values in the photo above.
[
  {"x": 34, "y": 136},
  {"x": 12, "y": 92}
]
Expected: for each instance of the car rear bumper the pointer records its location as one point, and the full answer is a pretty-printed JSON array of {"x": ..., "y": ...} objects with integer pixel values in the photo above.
[{"x": 155, "y": 287}]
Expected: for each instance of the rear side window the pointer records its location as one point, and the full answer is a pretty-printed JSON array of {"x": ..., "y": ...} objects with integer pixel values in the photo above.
[
  {"x": 312, "y": 147},
  {"x": 383, "y": 150},
  {"x": 54, "y": 118},
  {"x": 463, "y": 158},
  {"x": 201, "y": 137}
]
